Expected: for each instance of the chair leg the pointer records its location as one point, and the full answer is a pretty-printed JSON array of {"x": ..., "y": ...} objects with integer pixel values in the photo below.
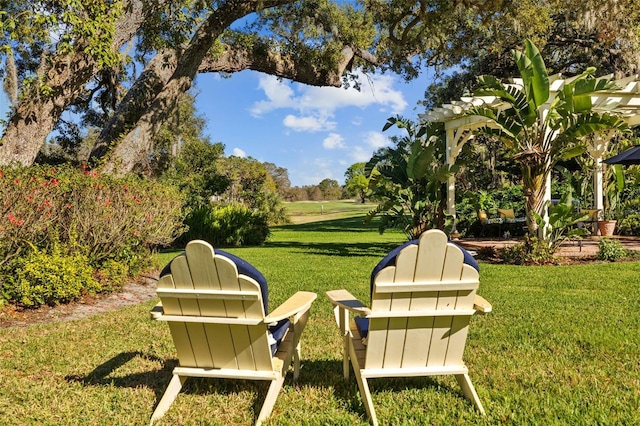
[
  {"x": 469, "y": 391},
  {"x": 173, "y": 389},
  {"x": 270, "y": 399},
  {"x": 345, "y": 356},
  {"x": 296, "y": 362},
  {"x": 363, "y": 385}
]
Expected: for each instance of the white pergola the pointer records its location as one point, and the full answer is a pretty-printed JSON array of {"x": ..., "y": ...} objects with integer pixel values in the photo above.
[{"x": 624, "y": 101}]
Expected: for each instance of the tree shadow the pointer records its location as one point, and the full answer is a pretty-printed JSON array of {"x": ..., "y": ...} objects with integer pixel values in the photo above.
[
  {"x": 338, "y": 249},
  {"x": 350, "y": 224}
]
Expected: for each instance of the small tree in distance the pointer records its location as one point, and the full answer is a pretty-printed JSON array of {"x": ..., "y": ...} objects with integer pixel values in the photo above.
[{"x": 356, "y": 182}]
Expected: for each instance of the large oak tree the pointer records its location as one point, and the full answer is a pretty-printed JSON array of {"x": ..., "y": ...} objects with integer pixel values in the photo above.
[{"x": 87, "y": 55}]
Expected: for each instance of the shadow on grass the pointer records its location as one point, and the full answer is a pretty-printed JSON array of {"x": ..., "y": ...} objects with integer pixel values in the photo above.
[
  {"x": 337, "y": 249},
  {"x": 315, "y": 374},
  {"x": 157, "y": 380},
  {"x": 348, "y": 224}
]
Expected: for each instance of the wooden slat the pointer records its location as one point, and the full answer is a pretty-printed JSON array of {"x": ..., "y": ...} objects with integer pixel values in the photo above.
[
  {"x": 457, "y": 340},
  {"x": 376, "y": 342},
  {"x": 182, "y": 280},
  {"x": 221, "y": 347},
  {"x": 426, "y": 286},
  {"x": 208, "y": 294},
  {"x": 401, "y": 301},
  {"x": 421, "y": 313},
  {"x": 209, "y": 320},
  {"x": 169, "y": 305},
  {"x": 432, "y": 253},
  {"x": 200, "y": 345},
  {"x": 413, "y": 372}
]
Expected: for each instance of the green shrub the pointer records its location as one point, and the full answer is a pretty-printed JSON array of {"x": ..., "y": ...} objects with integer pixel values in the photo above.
[
  {"x": 50, "y": 278},
  {"x": 610, "y": 250},
  {"x": 230, "y": 225},
  {"x": 108, "y": 224},
  {"x": 531, "y": 251},
  {"x": 629, "y": 225}
]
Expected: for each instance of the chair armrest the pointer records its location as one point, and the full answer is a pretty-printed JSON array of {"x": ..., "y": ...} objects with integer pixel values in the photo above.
[
  {"x": 480, "y": 304},
  {"x": 345, "y": 300},
  {"x": 299, "y": 302},
  {"x": 157, "y": 311}
]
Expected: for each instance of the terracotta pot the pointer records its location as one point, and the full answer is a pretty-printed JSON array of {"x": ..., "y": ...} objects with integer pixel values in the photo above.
[{"x": 606, "y": 227}]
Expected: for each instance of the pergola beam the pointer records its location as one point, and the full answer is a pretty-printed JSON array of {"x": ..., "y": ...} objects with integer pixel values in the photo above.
[{"x": 624, "y": 102}]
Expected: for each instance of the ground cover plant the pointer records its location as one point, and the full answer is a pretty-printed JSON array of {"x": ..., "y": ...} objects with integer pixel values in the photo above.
[{"x": 561, "y": 347}]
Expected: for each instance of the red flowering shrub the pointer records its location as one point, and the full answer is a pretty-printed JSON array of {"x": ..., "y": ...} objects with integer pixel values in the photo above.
[{"x": 100, "y": 217}]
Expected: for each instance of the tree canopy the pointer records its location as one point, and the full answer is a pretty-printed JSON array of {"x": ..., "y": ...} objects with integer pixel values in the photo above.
[
  {"x": 87, "y": 57},
  {"x": 122, "y": 65}
]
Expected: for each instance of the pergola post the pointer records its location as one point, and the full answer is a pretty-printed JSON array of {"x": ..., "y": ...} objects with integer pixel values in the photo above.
[
  {"x": 624, "y": 101},
  {"x": 596, "y": 148},
  {"x": 451, "y": 181}
]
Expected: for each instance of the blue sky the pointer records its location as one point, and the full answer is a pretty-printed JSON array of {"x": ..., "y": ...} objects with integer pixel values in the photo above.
[{"x": 315, "y": 133}]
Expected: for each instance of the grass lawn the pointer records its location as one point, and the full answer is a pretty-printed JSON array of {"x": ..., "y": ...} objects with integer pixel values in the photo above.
[
  {"x": 314, "y": 211},
  {"x": 560, "y": 348}
]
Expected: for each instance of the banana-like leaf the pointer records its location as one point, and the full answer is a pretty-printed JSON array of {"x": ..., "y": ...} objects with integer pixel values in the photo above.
[
  {"x": 540, "y": 77},
  {"x": 420, "y": 160},
  {"x": 619, "y": 173},
  {"x": 586, "y": 124},
  {"x": 570, "y": 153}
]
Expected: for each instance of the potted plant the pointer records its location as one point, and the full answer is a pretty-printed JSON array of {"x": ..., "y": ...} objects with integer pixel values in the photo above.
[{"x": 607, "y": 224}]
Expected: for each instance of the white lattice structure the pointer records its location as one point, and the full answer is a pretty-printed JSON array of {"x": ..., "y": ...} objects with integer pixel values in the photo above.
[{"x": 624, "y": 101}]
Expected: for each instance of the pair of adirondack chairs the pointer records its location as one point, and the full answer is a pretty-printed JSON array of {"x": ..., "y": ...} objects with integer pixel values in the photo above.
[{"x": 417, "y": 325}]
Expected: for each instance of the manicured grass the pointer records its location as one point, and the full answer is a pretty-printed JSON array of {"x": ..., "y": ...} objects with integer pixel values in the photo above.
[
  {"x": 561, "y": 347},
  {"x": 313, "y": 211}
]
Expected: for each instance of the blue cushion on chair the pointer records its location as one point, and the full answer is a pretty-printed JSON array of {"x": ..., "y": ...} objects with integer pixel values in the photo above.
[
  {"x": 362, "y": 324},
  {"x": 244, "y": 268},
  {"x": 389, "y": 260},
  {"x": 276, "y": 331}
]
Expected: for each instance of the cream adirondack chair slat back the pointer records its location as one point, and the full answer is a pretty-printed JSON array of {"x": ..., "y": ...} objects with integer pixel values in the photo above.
[
  {"x": 232, "y": 345},
  {"x": 421, "y": 307},
  {"x": 219, "y": 327},
  {"x": 418, "y": 321}
]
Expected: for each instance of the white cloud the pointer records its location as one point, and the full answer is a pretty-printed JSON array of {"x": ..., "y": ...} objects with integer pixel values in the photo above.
[
  {"x": 360, "y": 154},
  {"x": 321, "y": 103},
  {"x": 333, "y": 141},
  {"x": 279, "y": 95},
  {"x": 239, "y": 153},
  {"x": 308, "y": 123},
  {"x": 376, "y": 139}
]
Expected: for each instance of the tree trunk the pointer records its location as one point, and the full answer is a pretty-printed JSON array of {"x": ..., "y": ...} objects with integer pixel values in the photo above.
[
  {"x": 534, "y": 193},
  {"x": 146, "y": 87},
  {"x": 36, "y": 115}
]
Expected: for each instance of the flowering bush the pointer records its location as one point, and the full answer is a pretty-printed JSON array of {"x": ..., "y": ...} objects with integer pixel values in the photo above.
[{"x": 84, "y": 213}]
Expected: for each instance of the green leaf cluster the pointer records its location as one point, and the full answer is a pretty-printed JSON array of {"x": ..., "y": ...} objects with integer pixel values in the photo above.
[{"x": 409, "y": 180}]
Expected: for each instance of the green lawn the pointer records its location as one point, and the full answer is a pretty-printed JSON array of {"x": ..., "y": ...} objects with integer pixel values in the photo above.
[
  {"x": 313, "y": 211},
  {"x": 560, "y": 348}
]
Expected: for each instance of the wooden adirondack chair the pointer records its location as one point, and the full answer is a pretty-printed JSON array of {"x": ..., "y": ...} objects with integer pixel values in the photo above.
[
  {"x": 219, "y": 327},
  {"x": 418, "y": 320}
]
